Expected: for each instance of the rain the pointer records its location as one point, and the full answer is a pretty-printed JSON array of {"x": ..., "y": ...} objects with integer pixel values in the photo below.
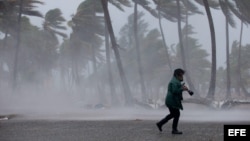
[{"x": 104, "y": 61}]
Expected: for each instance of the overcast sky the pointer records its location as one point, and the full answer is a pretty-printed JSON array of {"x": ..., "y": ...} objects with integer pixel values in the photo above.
[{"x": 199, "y": 22}]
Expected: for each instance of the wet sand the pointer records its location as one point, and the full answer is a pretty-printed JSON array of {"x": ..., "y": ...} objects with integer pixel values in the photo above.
[{"x": 108, "y": 130}]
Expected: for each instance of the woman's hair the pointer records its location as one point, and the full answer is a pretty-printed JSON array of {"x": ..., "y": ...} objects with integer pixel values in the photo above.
[{"x": 178, "y": 72}]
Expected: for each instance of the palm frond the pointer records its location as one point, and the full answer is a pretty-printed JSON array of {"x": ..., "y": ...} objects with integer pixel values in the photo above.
[
  {"x": 33, "y": 13},
  {"x": 120, "y": 3},
  {"x": 226, "y": 11},
  {"x": 191, "y": 7},
  {"x": 145, "y": 5}
]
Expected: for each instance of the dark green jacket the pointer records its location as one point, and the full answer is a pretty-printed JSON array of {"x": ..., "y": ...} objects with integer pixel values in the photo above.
[{"x": 174, "y": 94}]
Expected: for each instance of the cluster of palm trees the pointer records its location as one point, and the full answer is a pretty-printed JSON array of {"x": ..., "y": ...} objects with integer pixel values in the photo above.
[
  {"x": 20, "y": 33},
  {"x": 142, "y": 60},
  {"x": 176, "y": 14}
]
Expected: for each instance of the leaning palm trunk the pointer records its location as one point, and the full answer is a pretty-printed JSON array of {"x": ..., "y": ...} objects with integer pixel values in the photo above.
[
  {"x": 126, "y": 89},
  {"x": 226, "y": 12},
  {"x": 15, "y": 71},
  {"x": 111, "y": 82},
  {"x": 211, "y": 90},
  {"x": 188, "y": 62},
  {"x": 137, "y": 47},
  {"x": 183, "y": 56},
  {"x": 228, "y": 61}
]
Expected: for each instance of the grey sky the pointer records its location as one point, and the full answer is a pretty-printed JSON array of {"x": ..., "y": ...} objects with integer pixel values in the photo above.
[{"x": 199, "y": 22}]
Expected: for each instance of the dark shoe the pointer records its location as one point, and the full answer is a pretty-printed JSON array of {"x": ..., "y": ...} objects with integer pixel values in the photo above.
[
  {"x": 176, "y": 132},
  {"x": 159, "y": 126}
]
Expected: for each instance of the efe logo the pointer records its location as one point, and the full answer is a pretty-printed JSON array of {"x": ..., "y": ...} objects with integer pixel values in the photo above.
[{"x": 234, "y": 132}]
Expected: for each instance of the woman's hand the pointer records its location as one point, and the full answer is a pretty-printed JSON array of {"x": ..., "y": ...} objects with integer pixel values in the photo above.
[{"x": 184, "y": 88}]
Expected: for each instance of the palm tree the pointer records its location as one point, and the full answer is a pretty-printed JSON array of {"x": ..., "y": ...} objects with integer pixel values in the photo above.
[
  {"x": 53, "y": 21},
  {"x": 127, "y": 33},
  {"x": 138, "y": 58},
  {"x": 9, "y": 11},
  {"x": 6, "y": 9},
  {"x": 160, "y": 4},
  {"x": 183, "y": 55},
  {"x": 172, "y": 11},
  {"x": 145, "y": 5},
  {"x": 88, "y": 27},
  {"x": 25, "y": 7},
  {"x": 225, "y": 6},
  {"x": 239, "y": 70},
  {"x": 241, "y": 11},
  {"x": 239, "y": 58},
  {"x": 114, "y": 99},
  {"x": 240, "y": 80},
  {"x": 126, "y": 88},
  {"x": 155, "y": 64},
  {"x": 17, "y": 44},
  {"x": 52, "y": 26},
  {"x": 196, "y": 59},
  {"x": 36, "y": 60},
  {"x": 108, "y": 59},
  {"x": 211, "y": 90},
  {"x": 234, "y": 56}
]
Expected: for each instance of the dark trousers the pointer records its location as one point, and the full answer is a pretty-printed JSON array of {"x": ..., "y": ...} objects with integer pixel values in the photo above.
[{"x": 174, "y": 113}]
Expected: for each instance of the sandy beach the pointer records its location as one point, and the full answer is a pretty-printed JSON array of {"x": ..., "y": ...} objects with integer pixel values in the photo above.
[{"x": 108, "y": 130}]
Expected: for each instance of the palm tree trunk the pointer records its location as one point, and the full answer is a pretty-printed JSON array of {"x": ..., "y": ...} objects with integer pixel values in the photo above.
[
  {"x": 183, "y": 56},
  {"x": 240, "y": 82},
  {"x": 137, "y": 47},
  {"x": 164, "y": 40},
  {"x": 15, "y": 71},
  {"x": 110, "y": 76},
  {"x": 211, "y": 90},
  {"x": 74, "y": 64},
  {"x": 186, "y": 41},
  {"x": 228, "y": 61},
  {"x": 126, "y": 89},
  {"x": 239, "y": 58},
  {"x": 180, "y": 36}
]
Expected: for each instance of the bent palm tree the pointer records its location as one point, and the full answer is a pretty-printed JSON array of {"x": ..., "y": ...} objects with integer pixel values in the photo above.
[
  {"x": 126, "y": 88},
  {"x": 138, "y": 56},
  {"x": 183, "y": 55},
  {"x": 52, "y": 26},
  {"x": 241, "y": 11},
  {"x": 145, "y": 5},
  {"x": 225, "y": 7},
  {"x": 53, "y": 21},
  {"x": 160, "y": 6},
  {"x": 211, "y": 91},
  {"x": 24, "y": 7},
  {"x": 214, "y": 4}
]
